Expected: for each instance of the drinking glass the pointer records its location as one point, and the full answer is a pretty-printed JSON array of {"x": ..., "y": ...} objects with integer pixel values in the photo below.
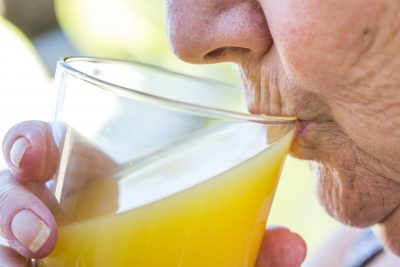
[{"x": 159, "y": 169}]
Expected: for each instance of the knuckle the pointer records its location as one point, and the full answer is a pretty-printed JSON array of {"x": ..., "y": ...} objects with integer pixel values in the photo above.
[{"x": 8, "y": 194}]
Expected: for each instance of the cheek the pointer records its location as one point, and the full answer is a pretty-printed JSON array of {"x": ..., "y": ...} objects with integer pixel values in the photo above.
[
  {"x": 374, "y": 126},
  {"x": 318, "y": 41}
]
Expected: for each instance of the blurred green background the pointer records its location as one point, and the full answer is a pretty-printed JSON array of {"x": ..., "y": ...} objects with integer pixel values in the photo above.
[{"x": 45, "y": 30}]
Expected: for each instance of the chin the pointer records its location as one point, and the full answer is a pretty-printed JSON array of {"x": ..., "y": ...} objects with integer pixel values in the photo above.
[{"x": 357, "y": 201}]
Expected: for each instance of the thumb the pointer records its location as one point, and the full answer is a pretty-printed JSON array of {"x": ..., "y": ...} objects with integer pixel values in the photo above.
[{"x": 281, "y": 248}]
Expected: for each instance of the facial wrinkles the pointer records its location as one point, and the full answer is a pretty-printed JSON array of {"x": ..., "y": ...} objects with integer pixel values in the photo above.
[
  {"x": 346, "y": 73},
  {"x": 356, "y": 197},
  {"x": 373, "y": 130},
  {"x": 262, "y": 83},
  {"x": 269, "y": 91},
  {"x": 316, "y": 54},
  {"x": 374, "y": 48},
  {"x": 266, "y": 93},
  {"x": 354, "y": 187},
  {"x": 372, "y": 97},
  {"x": 275, "y": 100},
  {"x": 340, "y": 62},
  {"x": 251, "y": 82}
]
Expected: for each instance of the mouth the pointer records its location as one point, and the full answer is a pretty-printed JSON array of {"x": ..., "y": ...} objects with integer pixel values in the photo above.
[
  {"x": 301, "y": 126},
  {"x": 303, "y": 146}
]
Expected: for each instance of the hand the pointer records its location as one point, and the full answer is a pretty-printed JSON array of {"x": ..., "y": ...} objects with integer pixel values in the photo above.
[{"x": 26, "y": 220}]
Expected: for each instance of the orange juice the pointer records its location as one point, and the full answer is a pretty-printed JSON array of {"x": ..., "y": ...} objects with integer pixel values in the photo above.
[{"x": 217, "y": 222}]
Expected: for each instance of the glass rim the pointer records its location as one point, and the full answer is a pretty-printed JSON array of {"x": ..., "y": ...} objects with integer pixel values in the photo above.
[{"x": 191, "y": 107}]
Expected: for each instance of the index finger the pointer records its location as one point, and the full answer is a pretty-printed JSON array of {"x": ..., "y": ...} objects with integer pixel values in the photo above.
[{"x": 30, "y": 151}]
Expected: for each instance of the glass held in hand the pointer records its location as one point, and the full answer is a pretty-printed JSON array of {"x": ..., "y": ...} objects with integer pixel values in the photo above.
[{"x": 159, "y": 169}]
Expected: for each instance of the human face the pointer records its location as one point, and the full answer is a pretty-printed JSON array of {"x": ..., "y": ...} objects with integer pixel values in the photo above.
[{"x": 333, "y": 64}]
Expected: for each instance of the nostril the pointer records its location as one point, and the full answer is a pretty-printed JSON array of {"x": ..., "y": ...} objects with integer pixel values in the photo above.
[
  {"x": 224, "y": 51},
  {"x": 216, "y": 53}
]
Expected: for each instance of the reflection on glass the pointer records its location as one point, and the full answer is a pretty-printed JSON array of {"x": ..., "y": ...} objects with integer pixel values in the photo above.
[{"x": 168, "y": 173}]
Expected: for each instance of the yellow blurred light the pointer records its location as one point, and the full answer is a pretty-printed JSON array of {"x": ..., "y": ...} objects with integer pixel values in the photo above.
[
  {"x": 111, "y": 28},
  {"x": 129, "y": 29},
  {"x": 113, "y": 19}
]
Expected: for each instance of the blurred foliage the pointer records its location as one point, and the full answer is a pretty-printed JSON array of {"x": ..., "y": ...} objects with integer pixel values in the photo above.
[{"x": 129, "y": 29}]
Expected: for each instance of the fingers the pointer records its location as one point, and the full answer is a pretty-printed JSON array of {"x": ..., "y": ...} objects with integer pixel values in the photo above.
[
  {"x": 30, "y": 151},
  {"x": 281, "y": 248},
  {"x": 25, "y": 221},
  {"x": 10, "y": 258}
]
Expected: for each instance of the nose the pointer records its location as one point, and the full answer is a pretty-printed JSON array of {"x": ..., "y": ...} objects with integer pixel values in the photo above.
[{"x": 212, "y": 31}]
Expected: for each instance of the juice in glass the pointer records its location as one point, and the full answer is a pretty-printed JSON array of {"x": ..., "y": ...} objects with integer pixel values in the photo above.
[
  {"x": 159, "y": 169},
  {"x": 217, "y": 222}
]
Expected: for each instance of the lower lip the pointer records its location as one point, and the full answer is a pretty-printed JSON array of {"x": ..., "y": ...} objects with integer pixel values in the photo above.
[
  {"x": 301, "y": 126},
  {"x": 301, "y": 147}
]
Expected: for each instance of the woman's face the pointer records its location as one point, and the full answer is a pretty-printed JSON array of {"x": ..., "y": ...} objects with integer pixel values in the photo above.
[{"x": 333, "y": 64}]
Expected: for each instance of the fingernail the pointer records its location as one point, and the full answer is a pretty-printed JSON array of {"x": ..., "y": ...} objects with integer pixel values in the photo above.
[
  {"x": 29, "y": 230},
  {"x": 18, "y": 150}
]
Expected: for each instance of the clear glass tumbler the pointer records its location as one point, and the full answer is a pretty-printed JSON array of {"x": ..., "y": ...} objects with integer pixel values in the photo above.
[{"x": 159, "y": 169}]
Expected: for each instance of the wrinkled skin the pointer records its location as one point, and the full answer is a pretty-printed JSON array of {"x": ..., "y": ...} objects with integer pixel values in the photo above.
[{"x": 333, "y": 64}]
